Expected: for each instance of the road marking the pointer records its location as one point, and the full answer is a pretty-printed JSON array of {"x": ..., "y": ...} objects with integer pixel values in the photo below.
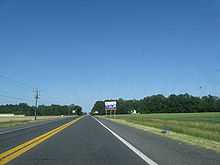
[
  {"x": 11, "y": 154},
  {"x": 130, "y": 146},
  {"x": 27, "y": 127}
]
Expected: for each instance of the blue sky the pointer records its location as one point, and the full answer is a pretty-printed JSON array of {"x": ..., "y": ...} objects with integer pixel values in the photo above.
[{"x": 86, "y": 50}]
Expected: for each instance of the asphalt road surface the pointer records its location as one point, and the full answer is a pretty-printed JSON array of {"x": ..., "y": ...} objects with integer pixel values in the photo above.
[
  {"x": 14, "y": 136},
  {"x": 89, "y": 142}
]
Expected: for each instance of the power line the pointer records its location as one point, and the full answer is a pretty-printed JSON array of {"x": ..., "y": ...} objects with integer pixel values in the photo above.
[
  {"x": 23, "y": 85},
  {"x": 18, "y": 83},
  {"x": 50, "y": 98},
  {"x": 6, "y": 94},
  {"x": 14, "y": 98}
]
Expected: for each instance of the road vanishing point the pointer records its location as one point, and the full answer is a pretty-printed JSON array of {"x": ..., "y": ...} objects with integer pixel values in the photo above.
[{"x": 95, "y": 141}]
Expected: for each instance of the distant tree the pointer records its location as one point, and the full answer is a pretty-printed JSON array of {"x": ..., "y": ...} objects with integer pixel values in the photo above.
[
  {"x": 78, "y": 110},
  {"x": 99, "y": 106},
  {"x": 183, "y": 103},
  {"x": 43, "y": 110}
]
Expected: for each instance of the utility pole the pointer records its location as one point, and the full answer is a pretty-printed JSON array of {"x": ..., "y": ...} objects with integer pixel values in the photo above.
[{"x": 36, "y": 97}]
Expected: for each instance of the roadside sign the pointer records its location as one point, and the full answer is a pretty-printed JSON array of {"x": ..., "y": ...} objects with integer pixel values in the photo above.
[{"x": 110, "y": 105}]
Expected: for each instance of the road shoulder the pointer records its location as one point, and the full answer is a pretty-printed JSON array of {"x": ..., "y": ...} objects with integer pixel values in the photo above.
[
  {"x": 154, "y": 145},
  {"x": 195, "y": 141}
]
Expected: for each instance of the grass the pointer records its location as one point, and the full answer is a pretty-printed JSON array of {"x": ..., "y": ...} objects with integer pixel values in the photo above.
[
  {"x": 198, "y": 128},
  {"x": 14, "y": 121},
  {"x": 11, "y": 124}
]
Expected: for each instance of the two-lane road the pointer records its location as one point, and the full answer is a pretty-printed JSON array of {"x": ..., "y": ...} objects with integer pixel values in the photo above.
[
  {"x": 14, "y": 136},
  {"x": 89, "y": 142}
]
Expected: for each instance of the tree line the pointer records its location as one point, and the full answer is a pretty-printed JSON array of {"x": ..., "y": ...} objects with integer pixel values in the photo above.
[
  {"x": 42, "y": 110},
  {"x": 182, "y": 103}
]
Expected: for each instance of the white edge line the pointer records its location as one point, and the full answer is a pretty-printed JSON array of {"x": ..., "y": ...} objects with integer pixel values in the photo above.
[{"x": 130, "y": 146}]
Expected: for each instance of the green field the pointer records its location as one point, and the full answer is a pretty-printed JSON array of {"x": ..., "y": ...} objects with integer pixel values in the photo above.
[{"x": 203, "y": 125}]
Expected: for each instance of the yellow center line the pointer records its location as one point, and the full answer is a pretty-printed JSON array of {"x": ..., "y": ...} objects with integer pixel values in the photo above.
[{"x": 11, "y": 154}]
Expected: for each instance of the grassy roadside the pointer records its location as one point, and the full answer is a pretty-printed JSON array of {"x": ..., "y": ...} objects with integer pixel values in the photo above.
[
  {"x": 15, "y": 121},
  {"x": 201, "y": 129}
]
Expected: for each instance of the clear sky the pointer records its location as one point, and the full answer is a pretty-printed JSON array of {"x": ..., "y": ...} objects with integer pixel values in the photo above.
[{"x": 80, "y": 51}]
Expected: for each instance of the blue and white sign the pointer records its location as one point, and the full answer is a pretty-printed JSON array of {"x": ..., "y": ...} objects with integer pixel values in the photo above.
[{"x": 110, "y": 105}]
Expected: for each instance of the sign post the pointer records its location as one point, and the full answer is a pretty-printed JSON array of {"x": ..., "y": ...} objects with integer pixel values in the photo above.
[{"x": 110, "y": 106}]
